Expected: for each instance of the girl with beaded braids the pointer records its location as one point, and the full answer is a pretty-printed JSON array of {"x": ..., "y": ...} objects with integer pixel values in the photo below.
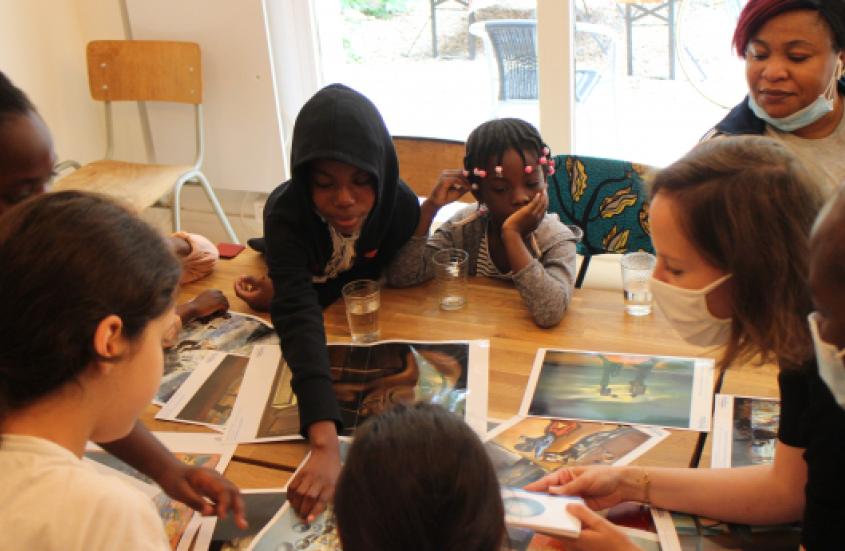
[{"x": 507, "y": 233}]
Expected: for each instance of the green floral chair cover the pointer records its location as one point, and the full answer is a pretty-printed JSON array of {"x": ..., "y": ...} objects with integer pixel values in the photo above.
[{"x": 607, "y": 199}]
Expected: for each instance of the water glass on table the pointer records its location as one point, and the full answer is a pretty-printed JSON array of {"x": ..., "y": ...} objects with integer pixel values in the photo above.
[
  {"x": 450, "y": 272},
  {"x": 637, "y": 268},
  {"x": 362, "y": 300}
]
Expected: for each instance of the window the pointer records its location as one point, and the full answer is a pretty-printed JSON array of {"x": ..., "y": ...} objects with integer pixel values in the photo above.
[
  {"x": 649, "y": 77},
  {"x": 438, "y": 85},
  {"x": 673, "y": 77}
]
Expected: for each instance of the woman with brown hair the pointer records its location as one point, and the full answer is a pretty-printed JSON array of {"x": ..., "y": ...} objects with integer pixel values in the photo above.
[{"x": 731, "y": 223}]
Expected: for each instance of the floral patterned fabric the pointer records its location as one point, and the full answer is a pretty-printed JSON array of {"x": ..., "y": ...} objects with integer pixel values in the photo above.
[{"x": 606, "y": 198}]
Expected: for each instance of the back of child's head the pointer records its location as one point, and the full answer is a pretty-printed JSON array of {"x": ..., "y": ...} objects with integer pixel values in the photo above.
[
  {"x": 487, "y": 144},
  {"x": 67, "y": 261},
  {"x": 13, "y": 101},
  {"x": 418, "y": 478}
]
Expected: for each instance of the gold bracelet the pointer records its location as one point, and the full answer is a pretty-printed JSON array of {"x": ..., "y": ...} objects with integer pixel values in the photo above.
[{"x": 646, "y": 482}]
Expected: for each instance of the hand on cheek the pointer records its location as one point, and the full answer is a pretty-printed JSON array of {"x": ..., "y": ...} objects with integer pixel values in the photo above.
[{"x": 527, "y": 218}]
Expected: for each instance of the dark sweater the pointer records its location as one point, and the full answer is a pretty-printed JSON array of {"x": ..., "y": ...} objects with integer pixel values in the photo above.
[
  {"x": 811, "y": 419},
  {"x": 340, "y": 124}
]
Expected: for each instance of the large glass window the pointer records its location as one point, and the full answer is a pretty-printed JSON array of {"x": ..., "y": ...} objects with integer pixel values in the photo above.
[
  {"x": 673, "y": 77},
  {"x": 431, "y": 66},
  {"x": 650, "y": 76}
]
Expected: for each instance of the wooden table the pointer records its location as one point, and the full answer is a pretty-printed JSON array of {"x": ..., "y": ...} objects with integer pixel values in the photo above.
[{"x": 494, "y": 311}]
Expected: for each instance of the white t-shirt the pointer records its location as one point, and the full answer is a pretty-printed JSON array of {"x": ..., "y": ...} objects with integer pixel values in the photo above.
[
  {"x": 825, "y": 156},
  {"x": 51, "y": 500}
]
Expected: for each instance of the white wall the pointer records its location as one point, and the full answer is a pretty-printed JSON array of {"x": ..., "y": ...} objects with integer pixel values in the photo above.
[
  {"x": 554, "y": 53},
  {"x": 42, "y": 49},
  {"x": 244, "y": 148}
]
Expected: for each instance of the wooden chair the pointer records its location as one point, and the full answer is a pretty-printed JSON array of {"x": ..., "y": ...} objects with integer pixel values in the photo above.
[
  {"x": 422, "y": 159},
  {"x": 134, "y": 70}
]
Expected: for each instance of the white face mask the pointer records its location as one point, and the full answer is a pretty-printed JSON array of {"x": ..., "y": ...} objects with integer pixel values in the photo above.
[
  {"x": 830, "y": 362},
  {"x": 687, "y": 311},
  {"x": 807, "y": 115}
]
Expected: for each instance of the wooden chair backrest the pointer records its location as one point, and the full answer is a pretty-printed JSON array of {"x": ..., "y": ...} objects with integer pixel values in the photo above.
[
  {"x": 422, "y": 159},
  {"x": 145, "y": 70}
]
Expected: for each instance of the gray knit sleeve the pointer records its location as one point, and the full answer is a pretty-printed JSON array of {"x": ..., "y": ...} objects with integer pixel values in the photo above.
[
  {"x": 413, "y": 263},
  {"x": 546, "y": 284}
]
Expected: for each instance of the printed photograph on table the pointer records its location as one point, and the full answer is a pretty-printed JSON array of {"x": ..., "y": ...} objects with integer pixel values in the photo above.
[
  {"x": 222, "y": 535},
  {"x": 229, "y": 332},
  {"x": 663, "y": 391},
  {"x": 176, "y": 373},
  {"x": 208, "y": 395},
  {"x": 195, "y": 449},
  {"x": 367, "y": 379},
  {"x": 286, "y": 531},
  {"x": 525, "y": 449},
  {"x": 700, "y": 534},
  {"x": 745, "y": 430}
]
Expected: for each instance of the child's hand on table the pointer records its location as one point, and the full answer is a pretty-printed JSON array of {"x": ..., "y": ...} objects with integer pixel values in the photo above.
[
  {"x": 210, "y": 301},
  {"x": 204, "y": 490},
  {"x": 255, "y": 291},
  {"x": 313, "y": 486}
]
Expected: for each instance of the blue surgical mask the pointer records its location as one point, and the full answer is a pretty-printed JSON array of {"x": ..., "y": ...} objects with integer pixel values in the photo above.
[
  {"x": 799, "y": 119},
  {"x": 806, "y": 116},
  {"x": 831, "y": 362}
]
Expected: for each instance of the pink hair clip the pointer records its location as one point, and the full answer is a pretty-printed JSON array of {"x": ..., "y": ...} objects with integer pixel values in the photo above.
[
  {"x": 528, "y": 169},
  {"x": 544, "y": 160},
  {"x": 499, "y": 171},
  {"x": 465, "y": 173},
  {"x": 546, "y": 151},
  {"x": 551, "y": 170},
  {"x": 479, "y": 172}
]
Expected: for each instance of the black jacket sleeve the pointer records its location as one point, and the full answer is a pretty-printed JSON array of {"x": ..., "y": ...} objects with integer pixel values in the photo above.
[{"x": 298, "y": 318}]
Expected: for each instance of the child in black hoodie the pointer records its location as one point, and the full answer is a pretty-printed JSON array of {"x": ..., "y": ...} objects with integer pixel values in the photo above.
[{"x": 342, "y": 216}]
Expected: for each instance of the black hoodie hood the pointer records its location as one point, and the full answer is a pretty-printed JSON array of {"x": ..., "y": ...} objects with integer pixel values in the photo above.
[{"x": 339, "y": 123}]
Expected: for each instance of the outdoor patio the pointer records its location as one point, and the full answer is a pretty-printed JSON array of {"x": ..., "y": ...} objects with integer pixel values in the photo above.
[{"x": 646, "y": 117}]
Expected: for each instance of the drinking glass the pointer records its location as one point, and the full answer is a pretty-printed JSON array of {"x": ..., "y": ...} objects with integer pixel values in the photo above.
[
  {"x": 637, "y": 268},
  {"x": 362, "y": 300},
  {"x": 450, "y": 271}
]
